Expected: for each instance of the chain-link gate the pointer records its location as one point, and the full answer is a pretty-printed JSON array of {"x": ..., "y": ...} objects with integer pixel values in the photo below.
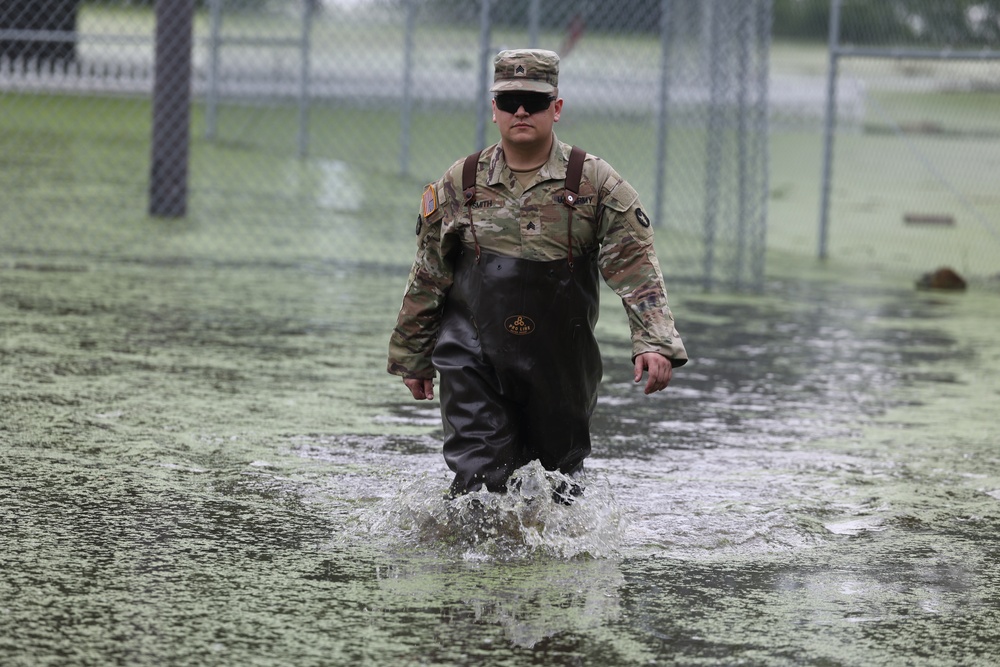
[
  {"x": 913, "y": 185},
  {"x": 303, "y": 130}
]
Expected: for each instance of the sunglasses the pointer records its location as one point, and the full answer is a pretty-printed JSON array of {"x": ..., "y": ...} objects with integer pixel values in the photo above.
[{"x": 532, "y": 102}]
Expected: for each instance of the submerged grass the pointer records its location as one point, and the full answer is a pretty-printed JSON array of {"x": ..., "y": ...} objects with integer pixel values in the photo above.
[{"x": 206, "y": 463}]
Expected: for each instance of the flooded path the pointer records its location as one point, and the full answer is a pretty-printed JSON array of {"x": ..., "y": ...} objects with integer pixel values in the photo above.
[{"x": 206, "y": 464}]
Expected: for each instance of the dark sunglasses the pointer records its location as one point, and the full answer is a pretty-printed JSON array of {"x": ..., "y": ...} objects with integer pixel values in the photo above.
[{"x": 532, "y": 102}]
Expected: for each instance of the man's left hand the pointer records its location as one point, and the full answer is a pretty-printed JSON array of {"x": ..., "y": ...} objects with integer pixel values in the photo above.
[{"x": 660, "y": 371}]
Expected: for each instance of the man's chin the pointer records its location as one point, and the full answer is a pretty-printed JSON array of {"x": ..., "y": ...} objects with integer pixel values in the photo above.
[{"x": 526, "y": 135}]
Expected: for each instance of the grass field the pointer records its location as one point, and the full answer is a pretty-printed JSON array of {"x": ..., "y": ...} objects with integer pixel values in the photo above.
[{"x": 76, "y": 169}]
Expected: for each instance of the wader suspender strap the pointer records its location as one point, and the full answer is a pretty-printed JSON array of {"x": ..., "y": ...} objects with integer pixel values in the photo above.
[
  {"x": 574, "y": 172},
  {"x": 469, "y": 190}
]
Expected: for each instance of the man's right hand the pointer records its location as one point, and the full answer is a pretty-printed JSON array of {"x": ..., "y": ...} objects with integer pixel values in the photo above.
[{"x": 420, "y": 388}]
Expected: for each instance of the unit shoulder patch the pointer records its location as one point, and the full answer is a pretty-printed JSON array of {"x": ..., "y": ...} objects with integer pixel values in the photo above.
[
  {"x": 642, "y": 217},
  {"x": 639, "y": 224}
]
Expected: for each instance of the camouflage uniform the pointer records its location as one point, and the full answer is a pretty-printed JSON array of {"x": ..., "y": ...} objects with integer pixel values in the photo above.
[{"x": 532, "y": 224}]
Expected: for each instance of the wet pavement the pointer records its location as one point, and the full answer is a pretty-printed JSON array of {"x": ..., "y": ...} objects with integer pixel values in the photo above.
[{"x": 206, "y": 464}]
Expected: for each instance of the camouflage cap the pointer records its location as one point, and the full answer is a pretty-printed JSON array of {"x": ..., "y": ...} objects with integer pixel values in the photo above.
[{"x": 526, "y": 70}]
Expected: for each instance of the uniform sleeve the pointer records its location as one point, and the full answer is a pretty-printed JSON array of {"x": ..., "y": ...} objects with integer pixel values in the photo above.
[
  {"x": 629, "y": 265},
  {"x": 419, "y": 320}
]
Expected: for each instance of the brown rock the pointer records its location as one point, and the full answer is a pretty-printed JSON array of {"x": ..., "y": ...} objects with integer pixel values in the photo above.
[{"x": 944, "y": 279}]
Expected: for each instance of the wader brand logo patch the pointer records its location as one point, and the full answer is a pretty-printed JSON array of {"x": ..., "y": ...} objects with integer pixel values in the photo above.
[{"x": 519, "y": 325}]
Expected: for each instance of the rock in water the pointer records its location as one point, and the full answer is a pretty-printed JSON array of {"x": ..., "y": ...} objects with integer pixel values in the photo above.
[{"x": 944, "y": 279}]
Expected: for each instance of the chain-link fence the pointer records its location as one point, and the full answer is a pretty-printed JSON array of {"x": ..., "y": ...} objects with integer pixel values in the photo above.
[
  {"x": 303, "y": 130},
  {"x": 911, "y": 181}
]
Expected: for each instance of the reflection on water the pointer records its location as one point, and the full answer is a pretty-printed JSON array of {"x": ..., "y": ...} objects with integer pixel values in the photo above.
[
  {"x": 227, "y": 477},
  {"x": 528, "y": 601}
]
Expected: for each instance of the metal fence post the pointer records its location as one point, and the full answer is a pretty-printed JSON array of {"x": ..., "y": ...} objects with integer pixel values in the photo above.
[
  {"x": 713, "y": 149},
  {"x": 214, "y": 46},
  {"x": 742, "y": 136},
  {"x": 406, "y": 110},
  {"x": 482, "y": 104},
  {"x": 708, "y": 18},
  {"x": 764, "y": 22},
  {"x": 304, "y": 74},
  {"x": 829, "y": 121},
  {"x": 168, "y": 182},
  {"x": 663, "y": 113},
  {"x": 534, "y": 19}
]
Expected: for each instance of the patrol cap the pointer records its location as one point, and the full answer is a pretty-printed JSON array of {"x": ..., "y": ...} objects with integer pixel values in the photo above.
[{"x": 526, "y": 70}]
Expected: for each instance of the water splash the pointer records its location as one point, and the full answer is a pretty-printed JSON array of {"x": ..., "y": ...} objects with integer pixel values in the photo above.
[{"x": 526, "y": 522}]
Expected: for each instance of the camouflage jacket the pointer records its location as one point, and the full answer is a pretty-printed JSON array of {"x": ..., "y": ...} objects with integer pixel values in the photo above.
[{"x": 531, "y": 223}]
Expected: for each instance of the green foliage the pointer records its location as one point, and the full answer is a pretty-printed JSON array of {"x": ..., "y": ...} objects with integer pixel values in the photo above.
[
  {"x": 228, "y": 5},
  {"x": 800, "y": 19},
  {"x": 954, "y": 23}
]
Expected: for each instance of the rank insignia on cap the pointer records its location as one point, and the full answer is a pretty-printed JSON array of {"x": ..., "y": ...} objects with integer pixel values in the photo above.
[
  {"x": 430, "y": 201},
  {"x": 526, "y": 71}
]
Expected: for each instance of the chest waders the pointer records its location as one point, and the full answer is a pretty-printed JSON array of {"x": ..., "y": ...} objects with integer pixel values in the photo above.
[{"x": 518, "y": 359}]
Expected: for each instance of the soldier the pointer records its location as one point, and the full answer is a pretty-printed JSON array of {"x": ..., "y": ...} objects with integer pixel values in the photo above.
[{"x": 502, "y": 298}]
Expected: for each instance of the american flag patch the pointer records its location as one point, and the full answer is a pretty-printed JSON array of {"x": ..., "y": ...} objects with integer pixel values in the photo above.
[{"x": 430, "y": 201}]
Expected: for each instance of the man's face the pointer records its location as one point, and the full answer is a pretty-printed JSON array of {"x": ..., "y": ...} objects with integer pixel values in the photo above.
[{"x": 525, "y": 119}]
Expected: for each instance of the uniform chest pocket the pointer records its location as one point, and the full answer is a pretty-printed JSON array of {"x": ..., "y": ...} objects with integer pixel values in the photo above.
[{"x": 555, "y": 222}]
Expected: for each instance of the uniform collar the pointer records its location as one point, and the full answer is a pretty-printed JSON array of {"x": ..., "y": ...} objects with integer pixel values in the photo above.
[{"x": 553, "y": 169}]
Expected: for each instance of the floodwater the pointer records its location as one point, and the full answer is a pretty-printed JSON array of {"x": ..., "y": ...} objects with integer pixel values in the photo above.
[{"x": 206, "y": 464}]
